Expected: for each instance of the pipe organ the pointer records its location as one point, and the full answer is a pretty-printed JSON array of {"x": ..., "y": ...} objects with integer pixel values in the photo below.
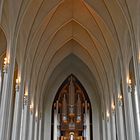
[{"x": 72, "y": 109}]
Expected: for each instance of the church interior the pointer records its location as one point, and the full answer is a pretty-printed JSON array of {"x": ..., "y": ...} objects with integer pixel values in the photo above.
[{"x": 69, "y": 69}]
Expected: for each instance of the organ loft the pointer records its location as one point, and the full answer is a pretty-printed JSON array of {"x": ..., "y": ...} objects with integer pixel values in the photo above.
[{"x": 71, "y": 112}]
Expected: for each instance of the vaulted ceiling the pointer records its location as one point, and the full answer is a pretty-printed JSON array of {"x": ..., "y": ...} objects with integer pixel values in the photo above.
[{"x": 101, "y": 33}]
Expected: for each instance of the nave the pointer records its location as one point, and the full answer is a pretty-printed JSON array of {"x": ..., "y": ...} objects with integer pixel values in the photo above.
[{"x": 69, "y": 70}]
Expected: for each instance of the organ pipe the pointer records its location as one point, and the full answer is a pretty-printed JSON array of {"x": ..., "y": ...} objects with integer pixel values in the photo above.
[
  {"x": 79, "y": 109},
  {"x": 71, "y": 93},
  {"x": 71, "y": 97},
  {"x": 64, "y": 108}
]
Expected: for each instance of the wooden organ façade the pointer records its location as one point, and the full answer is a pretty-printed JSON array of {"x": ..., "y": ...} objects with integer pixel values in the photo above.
[{"x": 71, "y": 112}]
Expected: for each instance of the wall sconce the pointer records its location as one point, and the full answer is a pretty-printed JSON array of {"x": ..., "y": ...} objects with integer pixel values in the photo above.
[
  {"x": 36, "y": 116},
  {"x": 31, "y": 107},
  {"x": 129, "y": 82},
  {"x": 18, "y": 80},
  {"x": 26, "y": 97},
  {"x": 120, "y": 98},
  {"x": 107, "y": 116},
  {"x": 113, "y": 108},
  {"x": 6, "y": 64}
]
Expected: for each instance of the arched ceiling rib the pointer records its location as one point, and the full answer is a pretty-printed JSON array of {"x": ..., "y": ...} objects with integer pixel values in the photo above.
[
  {"x": 70, "y": 67},
  {"x": 61, "y": 17},
  {"x": 3, "y": 42},
  {"x": 63, "y": 35}
]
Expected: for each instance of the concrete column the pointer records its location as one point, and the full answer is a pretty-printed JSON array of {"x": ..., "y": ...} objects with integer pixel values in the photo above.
[
  {"x": 55, "y": 125},
  {"x": 40, "y": 129},
  {"x": 17, "y": 114},
  {"x": 1, "y": 83},
  {"x": 31, "y": 127},
  {"x": 23, "y": 134},
  {"x": 113, "y": 126},
  {"x": 36, "y": 132},
  {"x": 103, "y": 129},
  {"x": 130, "y": 117},
  {"x": 136, "y": 111},
  {"x": 120, "y": 121},
  {"x": 108, "y": 128},
  {"x": 7, "y": 93},
  {"x": 4, "y": 110}
]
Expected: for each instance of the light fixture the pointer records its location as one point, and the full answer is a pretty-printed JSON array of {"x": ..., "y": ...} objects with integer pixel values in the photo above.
[
  {"x": 26, "y": 93},
  {"x": 31, "y": 107},
  {"x": 107, "y": 116},
  {"x": 6, "y": 64},
  {"x": 120, "y": 98},
  {"x": 18, "y": 80},
  {"x": 129, "y": 82},
  {"x": 36, "y": 116},
  {"x": 26, "y": 97},
  {"x": 113, "y": 107}
]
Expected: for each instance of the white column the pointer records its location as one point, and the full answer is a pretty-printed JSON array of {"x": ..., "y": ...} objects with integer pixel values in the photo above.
[
  {"x": 40, "y": 129},
  {"x": 36, "y": 129},
  {"x": 130, "y": 116},
  {"x": 7, "y": 95},
  {"x": 55, "y": 125},
  {"x": 4, "y": 110},
  {"x": 113, "y": 126},
  {"x": 136, "y": 111},
  {"x": 1, "y": 83},
  {"x": 120, "y": 121},
  {"x": 31, "y": 127},
  {"x": 24, "y": 120},
  {"x": 103, "y": 129},
  {"x": 108, "y": 128},
  {"x": 17, "y": 114}
]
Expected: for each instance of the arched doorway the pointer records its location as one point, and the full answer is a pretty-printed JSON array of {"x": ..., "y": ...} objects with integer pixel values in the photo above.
[{"x": 71, "y": 112}]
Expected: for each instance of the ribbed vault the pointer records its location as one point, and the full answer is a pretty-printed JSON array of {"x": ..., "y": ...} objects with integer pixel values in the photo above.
[
  {"x": 44, "y": 33},
  {"x": 64, "y": 23},
  {"x": 45, "y": 41}
]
